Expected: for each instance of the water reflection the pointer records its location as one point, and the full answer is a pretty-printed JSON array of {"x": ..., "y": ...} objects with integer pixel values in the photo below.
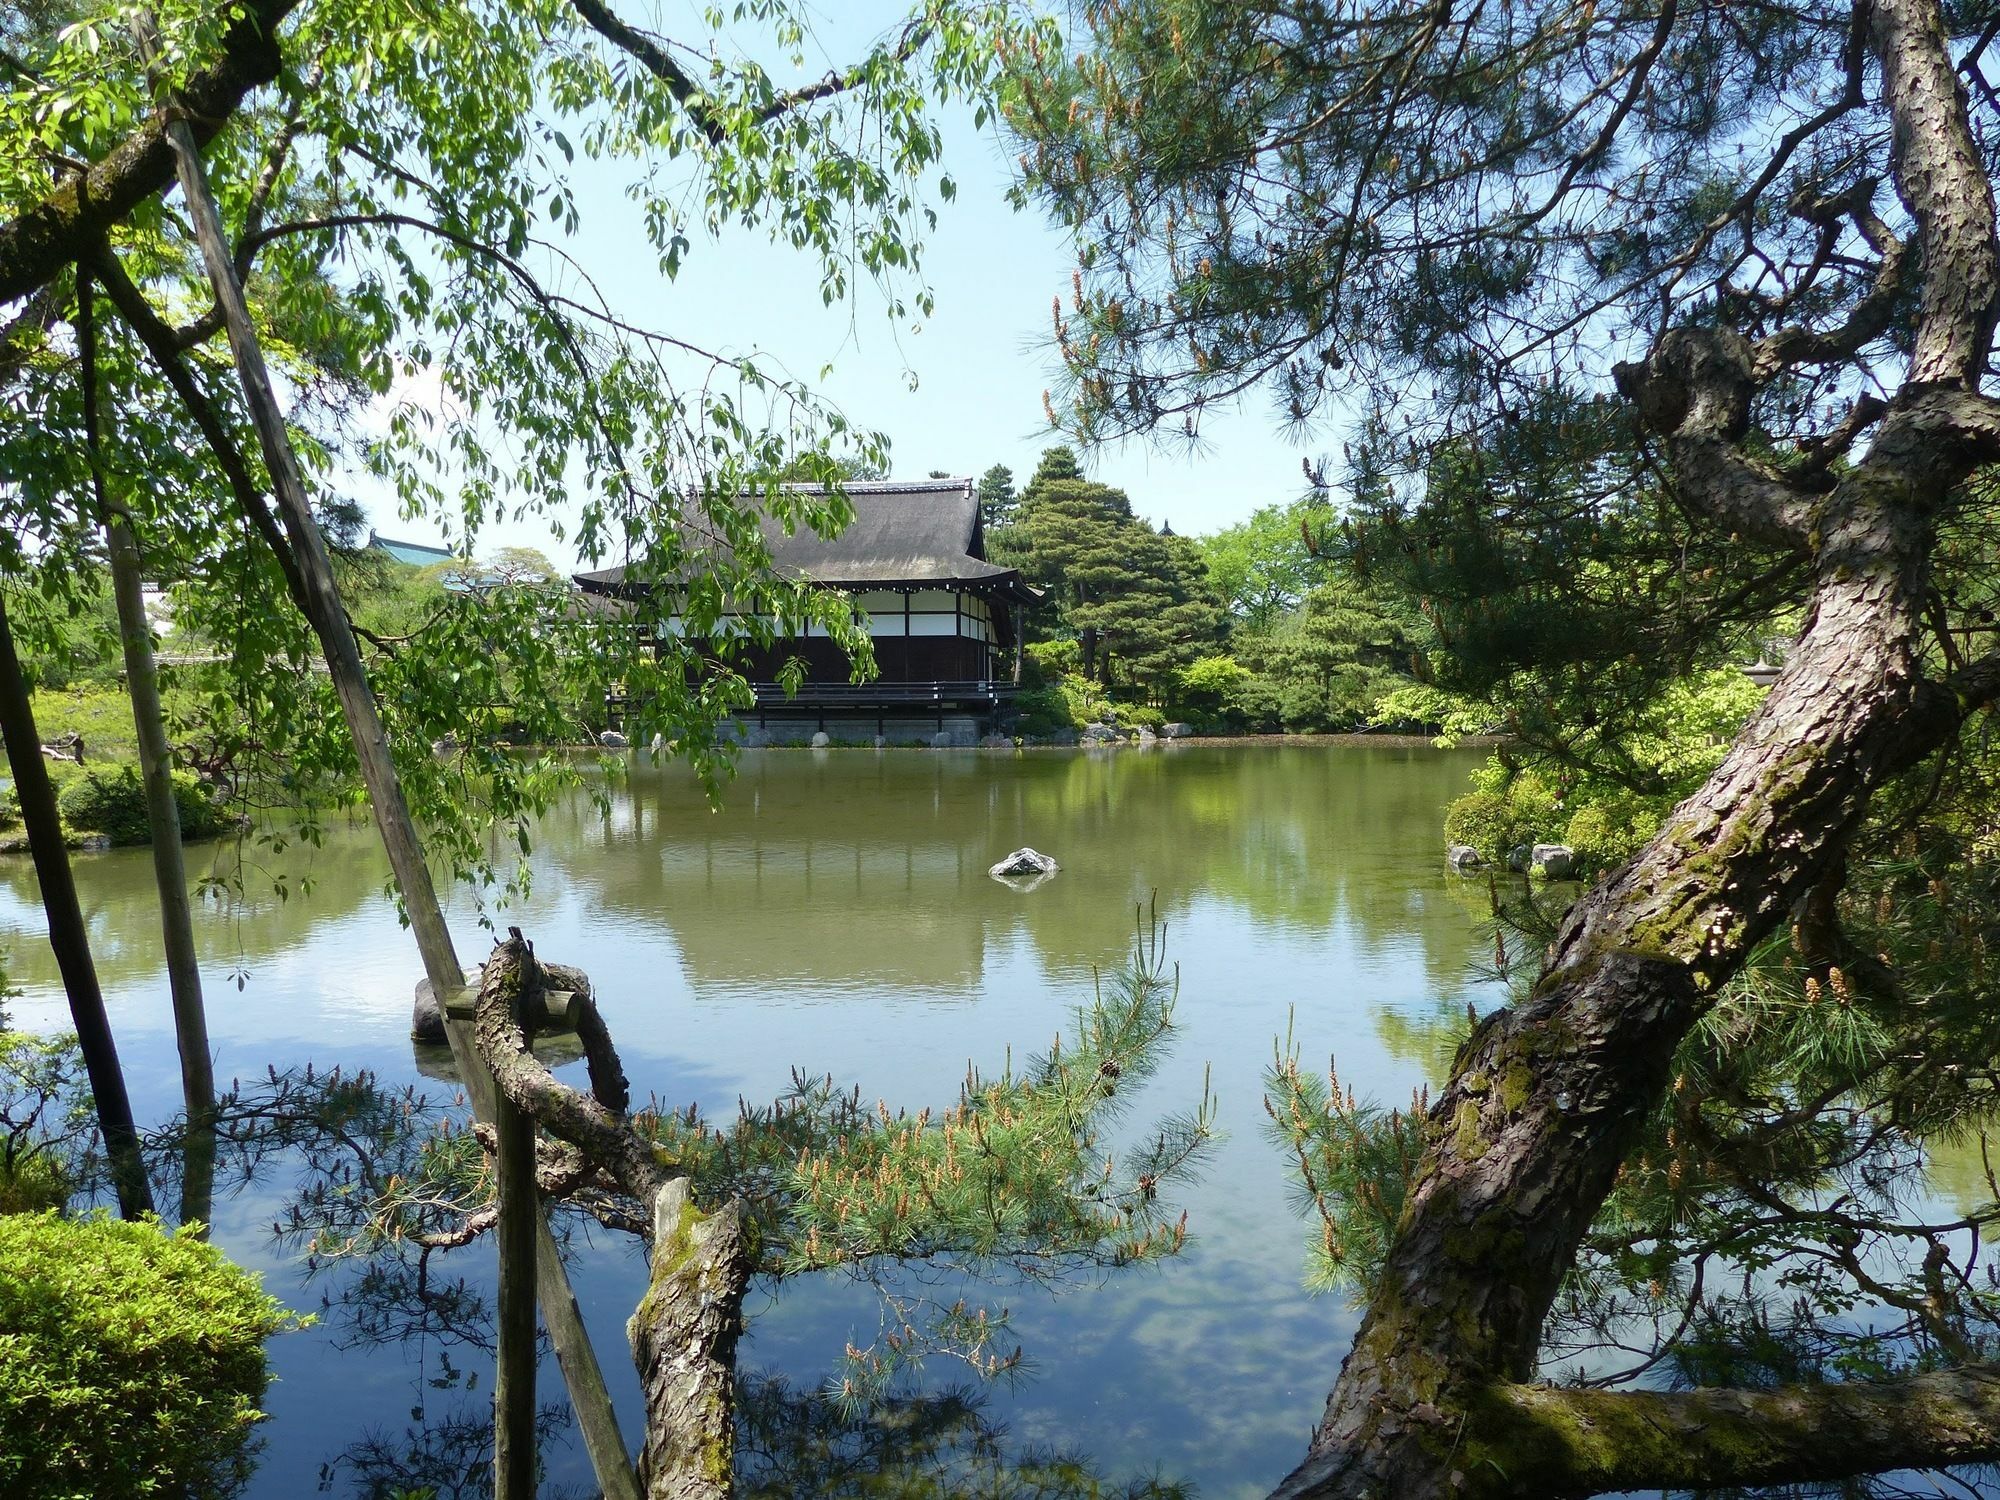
[
  {"x": 860, "y": 870},
  {"x": 836, "y": 914}
]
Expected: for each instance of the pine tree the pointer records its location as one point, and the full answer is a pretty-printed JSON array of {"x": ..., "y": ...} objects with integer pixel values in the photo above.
[
  {"x": 1336, "y": 657},
  {"x": 1570, "y": 255},
  {"x": 997, "y": 499}
]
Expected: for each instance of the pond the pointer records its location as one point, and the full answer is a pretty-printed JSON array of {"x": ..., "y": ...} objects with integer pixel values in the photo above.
[{"x": 835, "y": 914}]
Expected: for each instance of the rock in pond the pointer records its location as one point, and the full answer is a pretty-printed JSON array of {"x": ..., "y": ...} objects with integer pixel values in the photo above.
[
  {"x": 611, "y": 739},
  {"x": 1024, "y": 869},
  {"x": 1464, "y": 857},
  {"x": 1176, "y": 731},
  {"x": 822, "y": 740},
  {"x": 561, "y": 982},
  {"x": 1553, "y": 861}
]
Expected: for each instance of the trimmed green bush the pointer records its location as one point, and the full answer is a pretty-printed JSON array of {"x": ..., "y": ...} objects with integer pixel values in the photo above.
[
  {"x": 111, "y": 800},
  {"x": 1479, "y": 820},
  {"x": 131, "y": 1360},
  {"x": 1608, "y": 833},
  {"x": 1044, "y": 661},
  {"x": 1043, "y": 710},
  {"x": 1507, "y": 810}
]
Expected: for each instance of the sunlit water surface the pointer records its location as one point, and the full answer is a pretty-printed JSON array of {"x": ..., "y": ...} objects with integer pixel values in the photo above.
[{"x": 836, "y": 913}]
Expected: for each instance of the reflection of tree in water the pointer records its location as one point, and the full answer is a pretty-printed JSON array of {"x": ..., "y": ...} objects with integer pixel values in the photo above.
[
  {"x": 337, "y": 1135},
  {"x": 926, "y": 1445},
  {"x": 792, "y": 1444},
  {"x": 259, "y": 900},
  {"x": 443, "y": 1458},
  {"x": 1012, "y": 1178},
  {"x": 878, "y": 861}
]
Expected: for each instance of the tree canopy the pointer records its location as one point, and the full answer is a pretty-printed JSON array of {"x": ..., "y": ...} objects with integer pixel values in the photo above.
[
  {"x": 1137, "y": 601},
  {"x": 407, "y": 223}
]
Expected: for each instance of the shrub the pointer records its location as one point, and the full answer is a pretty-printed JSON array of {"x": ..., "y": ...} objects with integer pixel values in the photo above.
[
  {"x": 33, "y": 1182},
  {"x": 1140, "y": 715},
  {"x": 1043, "y": 711},
  {"x": 1607, "y": 833},
  {"x": 132, "y": 1361},
  {"x": 1207, "y": 683},
  {"x": 1045, "y": 661},
  {"x": 112, "y": 801},
  {"x": 1507, "y": 810},
  {"x": 1480, "y": 820},
  {"x": 1221, "y": 691}
]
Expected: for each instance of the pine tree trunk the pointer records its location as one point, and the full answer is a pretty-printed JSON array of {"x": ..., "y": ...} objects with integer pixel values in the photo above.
[
  {"x": 683, "y": 1336},
  {"x": 68, "y": 935},
  {"x": 1546, "y": 1100}
]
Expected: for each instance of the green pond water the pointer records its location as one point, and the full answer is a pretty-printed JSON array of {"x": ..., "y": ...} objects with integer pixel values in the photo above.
[{"x": 836, "y": 914}]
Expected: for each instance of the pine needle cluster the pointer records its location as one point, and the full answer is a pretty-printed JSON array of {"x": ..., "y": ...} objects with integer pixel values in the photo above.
[{"x": 1351, "y": 1163}]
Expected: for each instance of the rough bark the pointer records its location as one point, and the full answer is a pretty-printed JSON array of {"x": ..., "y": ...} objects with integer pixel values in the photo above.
[
  {"x": 683, "y": 1337},
  {"x": 74, "y": 217},
  {"x": 1546, "y": 1100},
  {"x": 684, "y": 1330},
  {"x": 68, "y": 935}
]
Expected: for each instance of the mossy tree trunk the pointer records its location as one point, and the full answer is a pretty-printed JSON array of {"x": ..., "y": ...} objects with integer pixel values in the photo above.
[{"x": 1546, "y": 1100}]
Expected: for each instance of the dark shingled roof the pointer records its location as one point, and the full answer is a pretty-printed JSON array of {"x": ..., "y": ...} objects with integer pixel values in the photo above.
[{"x": 904, "y": 532}]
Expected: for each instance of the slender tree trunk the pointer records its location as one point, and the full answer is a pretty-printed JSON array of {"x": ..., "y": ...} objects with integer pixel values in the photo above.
[
  {"x": 162, "y": 812},
  {"x": 514, "y": 1379},
  {"x": 324, "y": 610},
  {"x": 67, "y": 934}
]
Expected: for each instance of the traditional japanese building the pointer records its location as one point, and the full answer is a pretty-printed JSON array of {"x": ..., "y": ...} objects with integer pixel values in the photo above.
[{"x": 945, "y": 622}]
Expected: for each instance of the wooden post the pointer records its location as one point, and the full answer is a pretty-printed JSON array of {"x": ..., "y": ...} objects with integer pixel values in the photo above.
[
  {"x": 324, "y": 610},
  {"x": 514, "y": 1381},
  {"x": 67, "y": 934},
  {"x": 589, "y": 1397}
]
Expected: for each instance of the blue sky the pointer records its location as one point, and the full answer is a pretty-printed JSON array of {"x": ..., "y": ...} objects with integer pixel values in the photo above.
[{"x": 959, "y": 392}]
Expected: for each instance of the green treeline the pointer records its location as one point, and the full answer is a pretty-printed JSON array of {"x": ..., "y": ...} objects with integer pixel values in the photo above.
[{"x": 1263, "y": 626}]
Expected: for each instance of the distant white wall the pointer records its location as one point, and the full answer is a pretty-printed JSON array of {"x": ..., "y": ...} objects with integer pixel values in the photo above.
[{"x": 929, "y": 612}]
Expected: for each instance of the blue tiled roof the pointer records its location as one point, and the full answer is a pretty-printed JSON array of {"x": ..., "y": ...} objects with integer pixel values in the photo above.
[{"x": 416, "y": 554}]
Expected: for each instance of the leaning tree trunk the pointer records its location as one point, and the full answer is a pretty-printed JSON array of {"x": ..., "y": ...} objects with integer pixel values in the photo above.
[
  {"x": 513, "y": 1449},
  {"x": 68, "y": 935},
  {"x": 685, "y": 1329},
  {"x": 309, "y": 576},
  {"x": 142, "y": 683},
  {"x": 1545, "y": 1101}
]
